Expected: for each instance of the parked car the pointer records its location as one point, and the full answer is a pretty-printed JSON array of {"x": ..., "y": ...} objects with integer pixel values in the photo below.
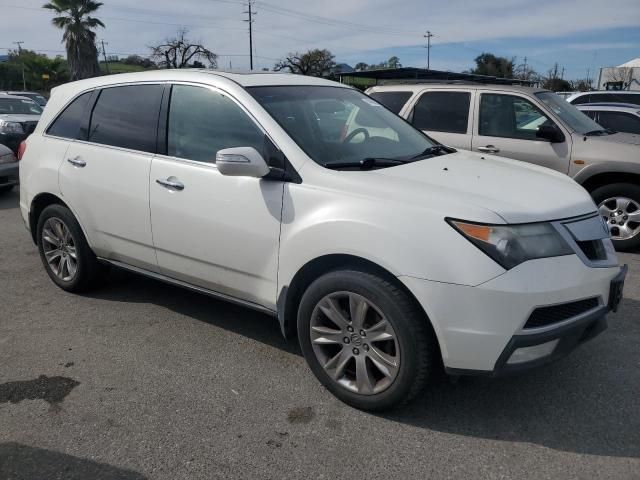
[
  {"x": 8, "y": 169},
  {"x": 387, "y": 253},
  {"x": 536, "y": 126},
  {"x": 18, "y": 118},
  {"x": 565, "y": 95},
  {"x": 619, "y": 117},
  {"x": 35, "y": 96},
  {"x": 618, "y": 96}
]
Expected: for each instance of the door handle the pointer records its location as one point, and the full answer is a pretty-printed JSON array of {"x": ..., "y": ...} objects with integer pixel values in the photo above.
[
  {"x": 489, "y": 149},
  {"x": 171, "y": 183},
  {"x": 77, "y": 162}
]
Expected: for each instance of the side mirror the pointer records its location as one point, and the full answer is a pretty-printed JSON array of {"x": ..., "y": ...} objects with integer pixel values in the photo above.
[
  {"x": 241, "y": 162},
  {"x": 550, "y": 133}
]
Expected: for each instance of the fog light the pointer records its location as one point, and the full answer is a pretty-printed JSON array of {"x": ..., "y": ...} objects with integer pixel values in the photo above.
[{"x": 527, "y": 354}]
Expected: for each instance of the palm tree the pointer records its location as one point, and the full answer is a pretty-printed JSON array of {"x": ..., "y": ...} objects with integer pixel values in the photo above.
[{"x": 74, "y": 18}]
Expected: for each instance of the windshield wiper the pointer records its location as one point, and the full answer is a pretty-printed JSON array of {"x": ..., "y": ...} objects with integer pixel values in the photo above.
[
  {"x": 433, "y": 150},
  {"x": 602, "y": 131},
  {"x": 366, "y": 163}
]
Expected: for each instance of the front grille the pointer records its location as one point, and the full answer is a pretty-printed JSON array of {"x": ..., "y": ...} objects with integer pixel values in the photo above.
[
  {"x": 593, "y": 249},
  {"x": 29, "y": 127},
  {"x": 543, "y": 316}
]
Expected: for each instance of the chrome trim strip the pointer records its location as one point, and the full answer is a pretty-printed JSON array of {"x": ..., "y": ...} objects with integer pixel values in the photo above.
[{"x": 180, "y": 283}]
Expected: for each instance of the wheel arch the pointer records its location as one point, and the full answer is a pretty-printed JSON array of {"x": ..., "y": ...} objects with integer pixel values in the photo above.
[
  {"x": 600, "y": 179},
  {"x": 290, "y": 295},
  {"x": 38, "y": 204}
]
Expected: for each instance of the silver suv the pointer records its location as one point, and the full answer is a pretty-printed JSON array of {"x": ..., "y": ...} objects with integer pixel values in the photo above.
[{"x": 536, "y": 126}]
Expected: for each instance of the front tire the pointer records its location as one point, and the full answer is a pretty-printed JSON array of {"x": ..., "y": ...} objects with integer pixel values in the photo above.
[
  {"x": 619, "y": 205},
  {"x": 64, "y": 251},
  {"x": 366, "y": 340}
]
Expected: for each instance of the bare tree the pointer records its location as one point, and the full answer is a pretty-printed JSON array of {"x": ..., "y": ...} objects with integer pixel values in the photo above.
[
  {"x": 620, "y": 74},
  {"x": 317, "y": 63},
  {"x": 179, "y": 51}
]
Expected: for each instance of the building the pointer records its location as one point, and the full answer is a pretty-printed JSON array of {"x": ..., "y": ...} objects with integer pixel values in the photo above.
[
  {"x": 622, "y": 77},
  {"x": 368, "y": 78}
]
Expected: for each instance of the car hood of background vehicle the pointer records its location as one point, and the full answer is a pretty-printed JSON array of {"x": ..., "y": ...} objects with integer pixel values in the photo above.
[
  {"x": 13, "y": 117},
  {"x": 516, "y": 191}
]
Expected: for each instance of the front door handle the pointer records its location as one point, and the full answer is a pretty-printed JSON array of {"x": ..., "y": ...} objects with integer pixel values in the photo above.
[
  {"x": 172, "y": 183},
  {"x": 489, "y": 149},
  {"x": 77, "y": 162}
]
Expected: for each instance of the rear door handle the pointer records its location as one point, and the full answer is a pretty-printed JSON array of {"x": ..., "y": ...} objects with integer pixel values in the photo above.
[
  {"x": 172, "y": 183},
  {"x": 77, "y": 162},
  {"x": 489, "y": 149}
]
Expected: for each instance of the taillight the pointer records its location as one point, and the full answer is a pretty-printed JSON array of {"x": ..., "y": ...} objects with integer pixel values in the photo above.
[{"x": 21, "y": 149}]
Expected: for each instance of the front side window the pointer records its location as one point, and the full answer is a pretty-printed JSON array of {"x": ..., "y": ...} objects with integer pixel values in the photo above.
[
  {"x": 19, "y": 106},
  {"x": 620, "y": 121},
  {"x": 67, "y": 125},
  {"x": 127, "y": 117},
  {"x": 442, "y": 112},
  {"x": 510, "y": 116},
  {"x": 394, "y": 101},
  {"x": 367, "y": 129},
  {"x": 202, "y": 121}
]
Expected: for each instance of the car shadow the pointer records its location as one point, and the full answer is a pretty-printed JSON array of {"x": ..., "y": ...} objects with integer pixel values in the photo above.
[
  {"x": 10, "y": 199},
  {"x": 586, "y": 403},
  {"x": 21, "y": 462}
]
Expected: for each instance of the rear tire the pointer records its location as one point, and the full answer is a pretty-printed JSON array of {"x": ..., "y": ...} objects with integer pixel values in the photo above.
[
  {"x": 625, "y": 198},
  {"x": 64, "y": 251},
  {"x": 368, "y": 368}
]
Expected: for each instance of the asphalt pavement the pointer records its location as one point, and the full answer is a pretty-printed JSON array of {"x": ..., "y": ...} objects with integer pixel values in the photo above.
[{"x": 142, "y": 380}]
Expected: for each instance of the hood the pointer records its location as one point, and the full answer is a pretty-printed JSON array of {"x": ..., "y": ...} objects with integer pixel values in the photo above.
[
  {"x": 628, "y": 138},
  {"x": 515, "y": 191},
  {"x": 21, "y": 118}
]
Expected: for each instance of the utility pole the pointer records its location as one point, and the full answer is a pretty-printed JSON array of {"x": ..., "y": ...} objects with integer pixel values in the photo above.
[
  {"x": 250, "y": 20},
  {"x": 428, "y": 37},
  {"x": 588, "y": 81},
  {"x": 24, "y": 83},
  {"x": 562, "y": 74},
  {"x": 524, "y": 73},
  {"x": 104, "y": 54}
]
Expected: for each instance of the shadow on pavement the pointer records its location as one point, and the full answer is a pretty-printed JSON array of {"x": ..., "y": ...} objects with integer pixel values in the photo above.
[
  {"x": 20, "y": 462},
  {"x": 586, "y": 403},
  {"x": 10, "y": 199}
]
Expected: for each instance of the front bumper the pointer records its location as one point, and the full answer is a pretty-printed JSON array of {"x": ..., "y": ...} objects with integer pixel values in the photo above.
[
  {"x": 480, "y": 328},
  {"x": 8, "y": 174}
]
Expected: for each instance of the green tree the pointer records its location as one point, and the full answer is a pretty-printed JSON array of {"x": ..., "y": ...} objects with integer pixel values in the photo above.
[
  {"x": 394, "y": 62},
  {"x": 74, "y": 18},
  {"x": 489, "y": 64},
  {"x": 317, "y": 63}
]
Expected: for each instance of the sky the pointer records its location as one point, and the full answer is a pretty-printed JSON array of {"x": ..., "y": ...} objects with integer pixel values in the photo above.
[{"x": 581, "y": 35}]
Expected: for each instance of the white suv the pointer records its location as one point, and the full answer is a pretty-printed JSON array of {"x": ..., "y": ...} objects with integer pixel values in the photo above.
[{"x": 385, "y": 252}]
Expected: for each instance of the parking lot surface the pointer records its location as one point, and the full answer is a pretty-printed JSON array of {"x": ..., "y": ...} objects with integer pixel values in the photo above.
[{"x": 142, "y": 380}]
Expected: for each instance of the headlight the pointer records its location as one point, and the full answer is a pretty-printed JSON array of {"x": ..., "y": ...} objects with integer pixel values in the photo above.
[
  {"x": 510, "y": 245},
  {"x": 10, "y": 127}
]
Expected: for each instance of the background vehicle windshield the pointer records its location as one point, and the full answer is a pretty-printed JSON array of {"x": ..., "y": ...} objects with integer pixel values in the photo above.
[
  {"x": 19, "y": 106},
  {"x": 573, "y": 117},
  {"x": 336, "y": 125}
]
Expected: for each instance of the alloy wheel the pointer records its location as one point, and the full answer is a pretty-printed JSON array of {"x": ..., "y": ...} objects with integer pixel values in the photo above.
[
  {"x": 622, "y": 215},
  {"x": 355, "y": 343},
  {"x": 59, "y": 249}
]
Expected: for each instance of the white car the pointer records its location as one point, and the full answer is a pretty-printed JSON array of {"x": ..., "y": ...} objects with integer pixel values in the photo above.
[
  {"x": 386, "y": 253},
  {"x": 619, "y": 117},
  {"x": 598, "y": 96}
]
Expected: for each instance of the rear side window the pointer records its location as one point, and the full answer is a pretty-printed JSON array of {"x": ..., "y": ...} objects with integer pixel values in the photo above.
[
  {"x": 202, "y": 121},
  {"x": 394, "y": 101},
  {"x": 620, "y": 121},
  {"x": 67, "y": 125},
  {"x": 442, "y": 112},
  {"x": 127, "y": 117}
]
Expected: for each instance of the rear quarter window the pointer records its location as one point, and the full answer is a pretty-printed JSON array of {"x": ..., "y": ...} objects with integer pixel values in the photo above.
[
  {"x": 67, "y": 124},
  {"x": 394, "y": 101}
]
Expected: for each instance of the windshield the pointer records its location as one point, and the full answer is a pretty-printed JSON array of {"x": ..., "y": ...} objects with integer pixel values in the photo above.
[
  {"x": 19, "y": 106},
  {"x": 336, "y": 125},
  {"x": 570, "y": 115}
]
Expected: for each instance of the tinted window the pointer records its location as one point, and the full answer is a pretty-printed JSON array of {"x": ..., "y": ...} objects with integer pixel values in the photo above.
[
  {"x": 569, "y": 114},
  {"x": 592, "y": 114},
  {"x": 201, "y": 122},
  {"x": 608, "y": 97},
  {"x": 442, "y": 112},
  {"x": 581, "y": 99},
  {"x": 67, "y": 125},
  {"x": 510, "y": 116},
  {"x": 394, "y": 101},
  {"x": 620, "y": 121},
  {"x": 127, "y": 117}
]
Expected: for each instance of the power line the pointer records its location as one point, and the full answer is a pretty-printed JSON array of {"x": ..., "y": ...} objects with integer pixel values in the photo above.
[
  {"x": 104, "y": 53},
  {"x": 250, "y": 21}
]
